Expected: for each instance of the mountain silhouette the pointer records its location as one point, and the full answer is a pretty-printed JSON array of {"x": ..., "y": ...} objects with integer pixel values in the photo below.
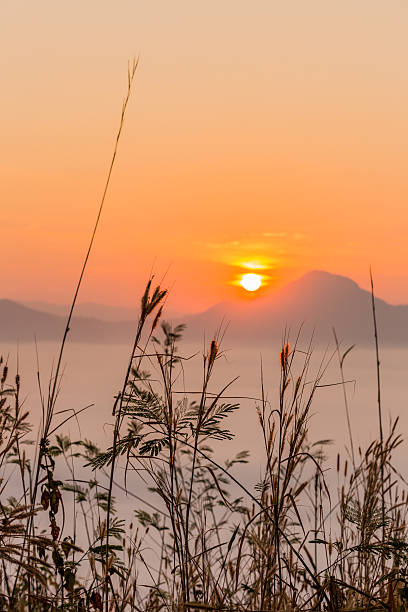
[
  {"x": 23, "y": 324},
  {"x": 92, "y": 310},
  {"x": 317, "y": 302}
]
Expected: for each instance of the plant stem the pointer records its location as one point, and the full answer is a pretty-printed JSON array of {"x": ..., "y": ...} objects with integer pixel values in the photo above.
[{"x": 377, "y": 355}]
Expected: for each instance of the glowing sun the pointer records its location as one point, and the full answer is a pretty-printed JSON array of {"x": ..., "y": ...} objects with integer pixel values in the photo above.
[{"x": 251, "y": 282}]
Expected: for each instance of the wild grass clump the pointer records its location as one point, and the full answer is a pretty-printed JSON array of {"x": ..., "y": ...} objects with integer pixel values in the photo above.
[{"x": 187, "y": 533}]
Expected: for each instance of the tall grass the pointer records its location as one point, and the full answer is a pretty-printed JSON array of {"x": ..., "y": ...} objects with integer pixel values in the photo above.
[{"x": 194, "y": 535}]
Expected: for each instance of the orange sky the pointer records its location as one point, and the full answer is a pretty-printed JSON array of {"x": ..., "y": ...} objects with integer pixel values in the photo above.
[{"x": 257, "y": 130}]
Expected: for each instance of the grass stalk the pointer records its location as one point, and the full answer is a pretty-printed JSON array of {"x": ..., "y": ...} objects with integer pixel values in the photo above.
[{"x": 380, "y": 423}]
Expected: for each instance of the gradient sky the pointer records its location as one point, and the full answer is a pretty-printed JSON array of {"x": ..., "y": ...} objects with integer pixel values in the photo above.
[{"x": 274, "y": 131}]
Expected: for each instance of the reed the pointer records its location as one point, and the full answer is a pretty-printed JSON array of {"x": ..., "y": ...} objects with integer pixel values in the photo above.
[{"x": 197, "y": 536}]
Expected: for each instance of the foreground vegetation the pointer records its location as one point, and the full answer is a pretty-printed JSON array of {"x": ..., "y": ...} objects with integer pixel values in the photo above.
[
  {"x": 188, "y": 533},
  {"x": 191, "y": 535}
]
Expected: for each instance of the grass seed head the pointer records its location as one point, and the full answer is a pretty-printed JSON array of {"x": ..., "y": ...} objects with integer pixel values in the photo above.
[{"x": 213, "y": 353}]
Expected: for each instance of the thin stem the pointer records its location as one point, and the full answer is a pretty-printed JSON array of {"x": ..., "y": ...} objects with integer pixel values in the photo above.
[
  {"x": 343, "y": 384},
  {"x": 377, "y": 355},
  {"x": 54, "y": 388}
]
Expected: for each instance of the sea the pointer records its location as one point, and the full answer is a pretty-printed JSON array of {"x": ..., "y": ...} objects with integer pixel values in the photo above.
[{"x": 93, "y": 374}]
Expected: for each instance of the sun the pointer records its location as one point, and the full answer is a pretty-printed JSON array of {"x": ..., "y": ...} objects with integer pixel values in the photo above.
[{"x": 251, "y": 282}]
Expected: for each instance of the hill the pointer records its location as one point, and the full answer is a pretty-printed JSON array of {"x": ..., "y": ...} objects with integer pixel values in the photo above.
[
  {"x": 318, "y": 301},
  {"x": 21, "y": 323}
]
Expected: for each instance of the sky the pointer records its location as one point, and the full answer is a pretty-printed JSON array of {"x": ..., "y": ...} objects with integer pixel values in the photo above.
[{"x": 269, "y": 132}]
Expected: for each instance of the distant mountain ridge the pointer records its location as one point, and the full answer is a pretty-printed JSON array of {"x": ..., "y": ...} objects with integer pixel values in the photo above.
[
  {"x": 92, "y": 310},
  {"x": 23, "y": 324},
  {"x": 318, "y": 301}
]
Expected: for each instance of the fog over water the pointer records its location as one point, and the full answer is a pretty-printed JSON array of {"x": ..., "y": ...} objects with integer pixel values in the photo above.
[{"x": 93, "y": 375}]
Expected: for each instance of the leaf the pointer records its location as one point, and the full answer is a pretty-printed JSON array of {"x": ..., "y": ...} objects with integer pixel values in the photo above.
[
  {"x": 45, "y": 499},
  {"x": 102, "y": 549},
  {"x": 346, "y": 353},
  {"x": 122, "y": 572},
  {"x": 55, "y": 530},
  {"x": 69, "y": 576},
  {"x": 55, "y": 498},
  {"x": 234, "y": 535},
  {"x": 96, "y": 600}
]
